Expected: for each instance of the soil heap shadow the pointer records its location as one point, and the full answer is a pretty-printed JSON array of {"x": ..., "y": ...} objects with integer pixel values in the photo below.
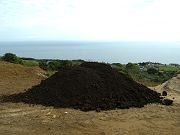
[{"x": 90, "y": 86}]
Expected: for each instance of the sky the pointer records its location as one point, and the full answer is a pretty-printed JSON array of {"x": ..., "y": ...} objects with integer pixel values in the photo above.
[{"x": 104, "y": 20}]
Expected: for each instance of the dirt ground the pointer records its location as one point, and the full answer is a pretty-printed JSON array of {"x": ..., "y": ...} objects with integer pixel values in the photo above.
[{"x": 20, "y": 118}]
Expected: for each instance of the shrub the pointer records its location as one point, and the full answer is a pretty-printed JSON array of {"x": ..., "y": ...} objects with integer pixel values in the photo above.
[
  {"x": 10, "y": 57},
  {"x": 43, "y": 65}
]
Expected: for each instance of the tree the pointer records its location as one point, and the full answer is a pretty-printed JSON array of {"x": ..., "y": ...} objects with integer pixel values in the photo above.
[{"x": 10, "y": 57}]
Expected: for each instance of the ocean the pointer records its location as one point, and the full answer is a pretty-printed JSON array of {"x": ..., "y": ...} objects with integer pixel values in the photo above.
[{"x": 111, "y": 52}]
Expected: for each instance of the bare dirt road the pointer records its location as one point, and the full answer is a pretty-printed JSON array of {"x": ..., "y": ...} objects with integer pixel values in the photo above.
[{"x": 20, "y": 118}]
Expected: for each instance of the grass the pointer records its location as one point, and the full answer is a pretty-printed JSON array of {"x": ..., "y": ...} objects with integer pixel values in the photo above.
[
  {"x": 134, "y": 70},
  {"x": 169, "y": 68},
  {"x": 30, "y": 63}
]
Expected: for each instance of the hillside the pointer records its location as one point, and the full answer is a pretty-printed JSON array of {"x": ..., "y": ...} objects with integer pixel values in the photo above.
[
  {"x": 172, "y": 87},
  {"x": 14, "y": 78}
]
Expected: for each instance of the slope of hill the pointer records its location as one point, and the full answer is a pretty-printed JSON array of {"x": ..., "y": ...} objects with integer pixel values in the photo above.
[
  {"x": 14, "y": 78},
  {"x": 172, "y": 87}
]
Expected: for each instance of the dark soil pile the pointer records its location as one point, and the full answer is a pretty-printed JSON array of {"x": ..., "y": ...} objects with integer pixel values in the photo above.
[{"x": 90, "y": 86}]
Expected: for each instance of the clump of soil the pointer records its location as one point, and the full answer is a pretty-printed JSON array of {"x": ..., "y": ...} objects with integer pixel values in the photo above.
[
  {"x": 90, "y": 86},
  {"x": 167, "y": 101},
  {"x": 164, "y": 93}
]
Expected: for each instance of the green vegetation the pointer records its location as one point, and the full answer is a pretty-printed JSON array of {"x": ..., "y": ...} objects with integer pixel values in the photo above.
[
  {"x": 147, "y": 73},
  {"x": 54, "y": 65},
  {"x": 10, "y": 57},
  {"x": 30, "y": 63}
]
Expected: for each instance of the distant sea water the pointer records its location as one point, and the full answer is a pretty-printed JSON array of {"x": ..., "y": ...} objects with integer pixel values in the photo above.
[{"x": 112, "y": 52}]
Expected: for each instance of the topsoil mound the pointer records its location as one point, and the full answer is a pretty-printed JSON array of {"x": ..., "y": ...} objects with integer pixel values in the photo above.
[{"x": 90, "y": 86}]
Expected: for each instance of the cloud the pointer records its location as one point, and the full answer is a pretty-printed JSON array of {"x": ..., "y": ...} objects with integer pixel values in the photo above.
[{"x": 139, "y": 20}]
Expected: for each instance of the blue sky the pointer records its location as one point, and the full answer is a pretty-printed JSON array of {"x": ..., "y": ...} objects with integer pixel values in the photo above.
[{"x": 107, "y": 20}]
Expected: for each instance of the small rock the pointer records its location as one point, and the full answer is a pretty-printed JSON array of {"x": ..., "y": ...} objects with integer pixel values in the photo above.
[
  {"x": 54, "y": 116},
  {"x": 48, "y": 113}
]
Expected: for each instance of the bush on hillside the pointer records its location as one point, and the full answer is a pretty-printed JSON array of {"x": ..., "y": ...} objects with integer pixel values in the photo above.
[
  {"x": 43, "y": 65},
  {"x": 10, "y": 57}
]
